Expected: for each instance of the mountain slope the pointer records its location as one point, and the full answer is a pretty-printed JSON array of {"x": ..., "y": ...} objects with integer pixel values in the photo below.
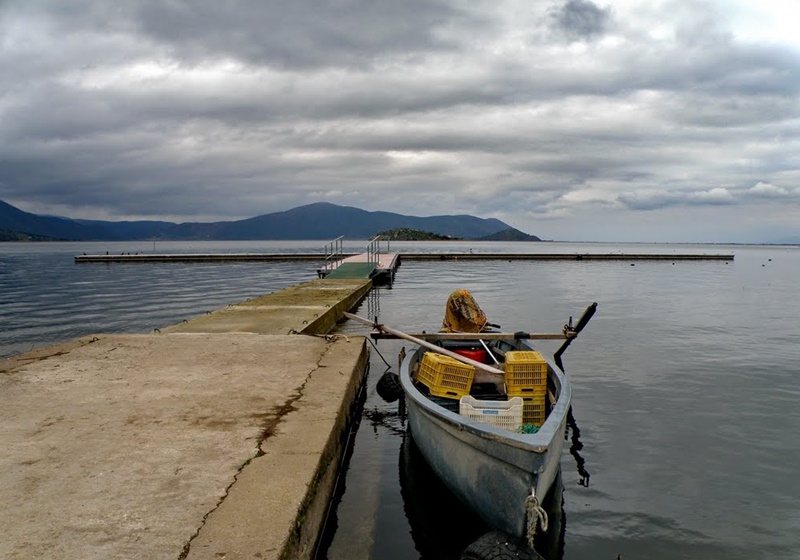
[
  {"x": 14, "y": 219},
  {"x": 146, "y": 229},
  {"x": 321, "y": 220}
]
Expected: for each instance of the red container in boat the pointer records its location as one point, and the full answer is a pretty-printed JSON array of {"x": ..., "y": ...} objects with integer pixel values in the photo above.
[{"x": 477, "y": 354}]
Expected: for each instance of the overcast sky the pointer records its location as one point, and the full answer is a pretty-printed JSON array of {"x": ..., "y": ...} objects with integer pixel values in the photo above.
[{"x": 624, "y": 120}]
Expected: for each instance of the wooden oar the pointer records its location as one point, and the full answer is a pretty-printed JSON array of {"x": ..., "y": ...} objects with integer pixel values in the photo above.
[
  {"x": 481, "y": 336},
  {"x": 425, "y": 344}
]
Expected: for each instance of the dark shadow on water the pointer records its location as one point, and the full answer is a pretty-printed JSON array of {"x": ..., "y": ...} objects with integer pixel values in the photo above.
[
  {"x": 441, "y": 526},
  {"x": 551, "y": 544},
  {"x": 330, "y": 523},
  {"x": 575, "y": 447}
]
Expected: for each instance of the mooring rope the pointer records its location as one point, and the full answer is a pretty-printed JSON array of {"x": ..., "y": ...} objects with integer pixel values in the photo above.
[
  {"x": 336, "y": 336},
  {"x": 328, "y": 337},
  {"x": 379, "y": 353},
  {"x": 535, "y": 514}
]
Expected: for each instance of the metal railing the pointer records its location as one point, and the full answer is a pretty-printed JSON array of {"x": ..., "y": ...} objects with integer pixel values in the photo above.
[
  {"x": 374, "y": 249},
  {"x": 333, "y": 254}
]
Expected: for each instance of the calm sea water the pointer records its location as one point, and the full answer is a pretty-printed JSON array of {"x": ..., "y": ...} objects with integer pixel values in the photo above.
[{"x": 686, "y": 385}]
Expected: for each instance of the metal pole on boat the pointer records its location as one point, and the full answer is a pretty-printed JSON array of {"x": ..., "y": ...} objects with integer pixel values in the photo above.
[{"x": 491, "y": 354}]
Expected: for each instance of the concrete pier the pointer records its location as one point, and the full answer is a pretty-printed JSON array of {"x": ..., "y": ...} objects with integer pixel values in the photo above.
[
  {"x": 309, "y": 308},
  {"x": 416, "y": 256},
  {"x": 201, "y": 258},
  {"x": 216, "y": 438},
  {"x": 564, "y": 257}
]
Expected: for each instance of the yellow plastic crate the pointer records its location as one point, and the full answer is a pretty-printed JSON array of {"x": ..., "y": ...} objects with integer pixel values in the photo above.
[
  {"x": 525, "y": 370},
  {"x": 537, "y": 391},
  {"x": 533, "y": 406},
  {"x": 503, "y": 414},
  {"x": 445, "y": 376}
]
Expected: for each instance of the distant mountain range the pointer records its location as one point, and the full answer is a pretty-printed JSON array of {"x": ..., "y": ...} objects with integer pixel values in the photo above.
[{"x": 321, "y": 220}]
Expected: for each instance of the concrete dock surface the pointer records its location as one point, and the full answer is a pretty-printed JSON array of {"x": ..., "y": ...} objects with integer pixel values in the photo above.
[
  {"x": 175, "y": 445},
  {"x": 309, "y": 308}
]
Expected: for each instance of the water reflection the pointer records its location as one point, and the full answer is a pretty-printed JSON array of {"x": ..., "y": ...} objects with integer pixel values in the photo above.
[
  {"x": 330, "y": 524},
  {"x": 550, "y": 545},
  {"x": 441, "y": 527},
  {"x": 574, "y": 434},
  {"x": 373, "y": 303},
  {"x": 391, "y": 420}
]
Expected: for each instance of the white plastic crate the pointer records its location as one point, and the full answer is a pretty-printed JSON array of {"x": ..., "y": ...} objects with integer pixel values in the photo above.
[{"x": 503, "y": 414}]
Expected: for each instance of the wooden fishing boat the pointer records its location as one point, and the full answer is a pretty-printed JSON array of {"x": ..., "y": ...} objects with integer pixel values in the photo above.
[
  {"x": 502, "y": 475},
  {"x": 491, "y": 469}
]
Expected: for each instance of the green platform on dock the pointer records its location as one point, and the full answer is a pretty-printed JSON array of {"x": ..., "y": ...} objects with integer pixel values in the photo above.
[{"x": 353, "y": 270}]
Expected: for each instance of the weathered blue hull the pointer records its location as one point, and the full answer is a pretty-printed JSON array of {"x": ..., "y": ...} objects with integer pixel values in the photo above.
[{"x": 490, "y": 469}]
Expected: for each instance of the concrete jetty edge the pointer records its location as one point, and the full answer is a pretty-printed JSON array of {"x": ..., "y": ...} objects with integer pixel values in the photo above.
[
  {"x": 219, "y": 437},
  {"x": 312, "y": 307}
]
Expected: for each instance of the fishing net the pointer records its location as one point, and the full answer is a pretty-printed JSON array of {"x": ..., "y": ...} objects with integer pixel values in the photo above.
[{"x": 463, "y": 314}]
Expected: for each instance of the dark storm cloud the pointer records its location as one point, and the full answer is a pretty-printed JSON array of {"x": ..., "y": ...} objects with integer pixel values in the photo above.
[
  {"x": 296, "y": 34},
  {"x": 581, "y": 19},
  {"x": 655, "y": 200},
  {"x": 751, "y": 70},
  {"x": 548, "y": 109}
]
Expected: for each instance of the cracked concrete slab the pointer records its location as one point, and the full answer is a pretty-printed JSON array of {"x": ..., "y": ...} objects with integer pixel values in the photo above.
[{"x": 172, "y": 445}]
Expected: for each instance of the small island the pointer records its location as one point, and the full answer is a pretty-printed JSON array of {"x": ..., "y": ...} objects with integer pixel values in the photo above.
[
  {"x": 10, "y": 235},
  {"x": 408, "y": 234},
  {"x": 511, "y": 234}
]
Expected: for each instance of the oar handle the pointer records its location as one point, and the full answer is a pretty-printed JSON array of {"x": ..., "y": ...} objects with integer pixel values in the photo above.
[{"x": 477, "y": 336}]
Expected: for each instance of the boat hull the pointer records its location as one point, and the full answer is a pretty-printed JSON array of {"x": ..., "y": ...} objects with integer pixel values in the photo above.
[{"x": 491, "y": 470}]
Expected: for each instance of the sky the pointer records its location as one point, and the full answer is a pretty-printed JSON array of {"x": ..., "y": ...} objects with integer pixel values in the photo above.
[{"x": 628, "y": 120}]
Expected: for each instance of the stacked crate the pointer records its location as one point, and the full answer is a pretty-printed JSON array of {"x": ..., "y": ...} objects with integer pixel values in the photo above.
[
  {"x": 526, "y": 377},
  {"x": 445, "y": 376}
]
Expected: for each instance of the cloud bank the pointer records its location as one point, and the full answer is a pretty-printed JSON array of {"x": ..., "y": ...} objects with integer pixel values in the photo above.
[{"x": 637, "y": 121}]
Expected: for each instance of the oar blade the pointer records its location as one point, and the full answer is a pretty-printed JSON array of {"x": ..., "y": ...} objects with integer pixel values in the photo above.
[{"x": 573, "y": 332}]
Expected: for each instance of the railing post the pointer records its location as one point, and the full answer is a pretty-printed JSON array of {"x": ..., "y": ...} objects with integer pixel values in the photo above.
[
  {"x": 333, "y": 253},
  {"x": 373, "y": 249}
]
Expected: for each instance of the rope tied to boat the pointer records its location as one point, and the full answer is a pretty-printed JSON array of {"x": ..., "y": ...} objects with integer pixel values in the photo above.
[
  {"x": 388, "y": 365},
  {"x": 536, "y": 515}
]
